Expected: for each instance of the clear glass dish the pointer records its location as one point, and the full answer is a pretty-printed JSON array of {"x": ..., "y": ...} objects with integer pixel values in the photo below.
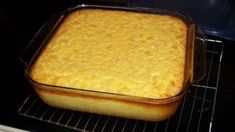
[{"x": 107, "y": 103}]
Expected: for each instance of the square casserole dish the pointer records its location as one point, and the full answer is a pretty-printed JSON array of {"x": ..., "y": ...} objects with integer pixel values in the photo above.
[{"x": 127, "y": 62}]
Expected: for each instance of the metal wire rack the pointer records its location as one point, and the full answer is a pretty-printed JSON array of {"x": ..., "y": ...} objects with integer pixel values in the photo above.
[{"x": 195, "y": 114}]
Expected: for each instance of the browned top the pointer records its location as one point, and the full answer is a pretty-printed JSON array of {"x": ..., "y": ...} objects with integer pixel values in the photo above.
[{"x": 116, "y": 51}]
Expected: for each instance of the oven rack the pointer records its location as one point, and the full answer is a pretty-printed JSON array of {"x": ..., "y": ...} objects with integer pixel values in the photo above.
[{"x": 195, "y": 114}]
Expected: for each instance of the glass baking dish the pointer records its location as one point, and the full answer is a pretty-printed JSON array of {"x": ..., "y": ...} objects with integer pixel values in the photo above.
[{"x": 107, "y": 103}]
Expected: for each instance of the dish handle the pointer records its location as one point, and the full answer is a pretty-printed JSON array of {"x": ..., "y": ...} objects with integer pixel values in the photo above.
[{"x": 199, "y": 66}]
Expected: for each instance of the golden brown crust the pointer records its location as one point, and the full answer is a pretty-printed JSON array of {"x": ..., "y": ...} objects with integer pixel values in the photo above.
[
  {"x": 68, "y": 99},
  {"x": 120, "y": 52},
  {"x": 100, "y": 98}
]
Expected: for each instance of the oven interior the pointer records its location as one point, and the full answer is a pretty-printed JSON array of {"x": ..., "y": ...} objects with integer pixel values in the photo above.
[{"x": 207, "y": 106}]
